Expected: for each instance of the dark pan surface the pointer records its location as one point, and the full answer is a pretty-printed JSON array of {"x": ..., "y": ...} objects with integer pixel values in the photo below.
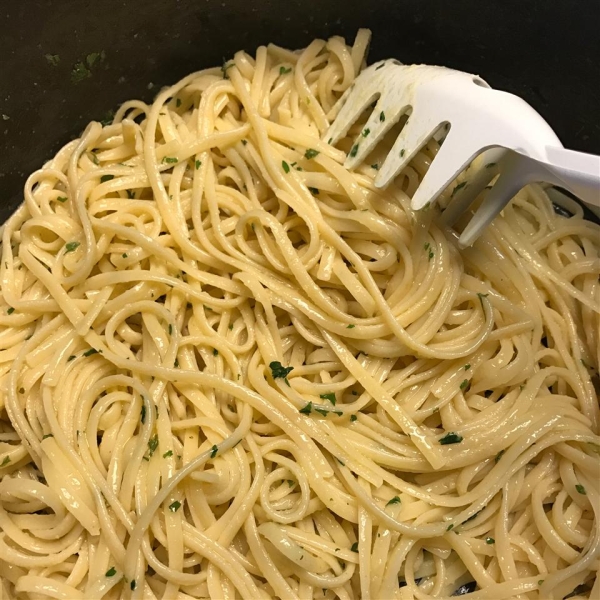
[{"x": 544, "y": 51}]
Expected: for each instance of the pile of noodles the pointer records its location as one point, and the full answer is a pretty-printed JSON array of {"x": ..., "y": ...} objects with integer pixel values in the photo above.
[{"x": 230, "y": 368}]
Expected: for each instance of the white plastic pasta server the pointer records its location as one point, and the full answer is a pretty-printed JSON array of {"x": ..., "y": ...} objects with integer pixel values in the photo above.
[{"x": 472, "y": 118}]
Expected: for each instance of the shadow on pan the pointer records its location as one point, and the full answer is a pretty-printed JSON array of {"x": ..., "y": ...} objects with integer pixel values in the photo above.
[{"x": 64, "y": 63}]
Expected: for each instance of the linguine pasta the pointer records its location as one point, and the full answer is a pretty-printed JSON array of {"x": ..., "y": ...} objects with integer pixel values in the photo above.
[{"x": 230, "y": 368}]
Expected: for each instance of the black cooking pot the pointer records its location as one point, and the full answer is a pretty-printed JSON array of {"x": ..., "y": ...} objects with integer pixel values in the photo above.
[{"x": 65, "y": 62}]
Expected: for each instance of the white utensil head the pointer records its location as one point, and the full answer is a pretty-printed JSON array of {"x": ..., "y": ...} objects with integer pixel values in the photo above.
[{"x": 437, "y": 99}]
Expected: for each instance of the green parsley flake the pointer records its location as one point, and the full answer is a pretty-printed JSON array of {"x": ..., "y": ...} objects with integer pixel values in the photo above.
[
  {"x": 464, "y": 384},
  {"x": 402, "y": 152},
  {"x": 330, "y": 396},
  {"x": 365, "y": 132},
  {"x": 284, "y": 71},
  {"x": 451, "y": 438},
  {"x": 213, "y": 451},
  {"x": 90, "y": 352},
  {"x": 105, "y": 178},
  {"x": 353, "y": 418},
  {"x": 472, "y": 517},
  {"x": 354, "y": 547},
  {"x": 109, "y": 115},
  {"x": 354, "y": 150},
  {"x": 375, "y": 166},
  {"x": 168, "y": 453},
  {"x": 490, "y": 540},
  {"x": 143, "y": 414},
  {"x": 175, "y": 506},
  {"x": 133, "y": 585},
  {"x": 307, "y": 409},
  {"x": 198, "y": 164},
  {"x": 93, "y": 57},
  {"x": 111, "y": 572},
  {"x": 152, "y": 445},
  {"x": 467, "y": 367},
  {"x": 285, "y": 166},
  {"x": 80, "y": 72},
  {"x": 224, "y": 68},
  {"x": 460, "y": 186},
  {"x": 394, "y": 500},
  {"x": 71, "y": 246},
  {"x": 351, "y": 326},
  {"x": 215, "y": 352},
  {"x": 450, "y": 527},
  {"x": 311, "y": 153},
  {"x": 382, "y": 116},
  {"x": 581, "y": 489},
  {"x": 5, "y": 461},
  {"x": 481, "y": 297},
  {"x": 499, "y": 456},
  {"x": 10, "y": 311},
  {"x": 52, "y": 59},
  {"x": 62, "y": 198},
  {"x": 170, "y": 160},
  {"x": 278, "y": 371}
]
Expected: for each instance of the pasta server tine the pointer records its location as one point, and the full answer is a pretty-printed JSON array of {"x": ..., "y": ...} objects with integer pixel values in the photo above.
[{"x": 471, "y": 118}]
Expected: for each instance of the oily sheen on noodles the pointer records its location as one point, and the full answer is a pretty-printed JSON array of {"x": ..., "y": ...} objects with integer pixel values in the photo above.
[{"x": 233, "y": 369}]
